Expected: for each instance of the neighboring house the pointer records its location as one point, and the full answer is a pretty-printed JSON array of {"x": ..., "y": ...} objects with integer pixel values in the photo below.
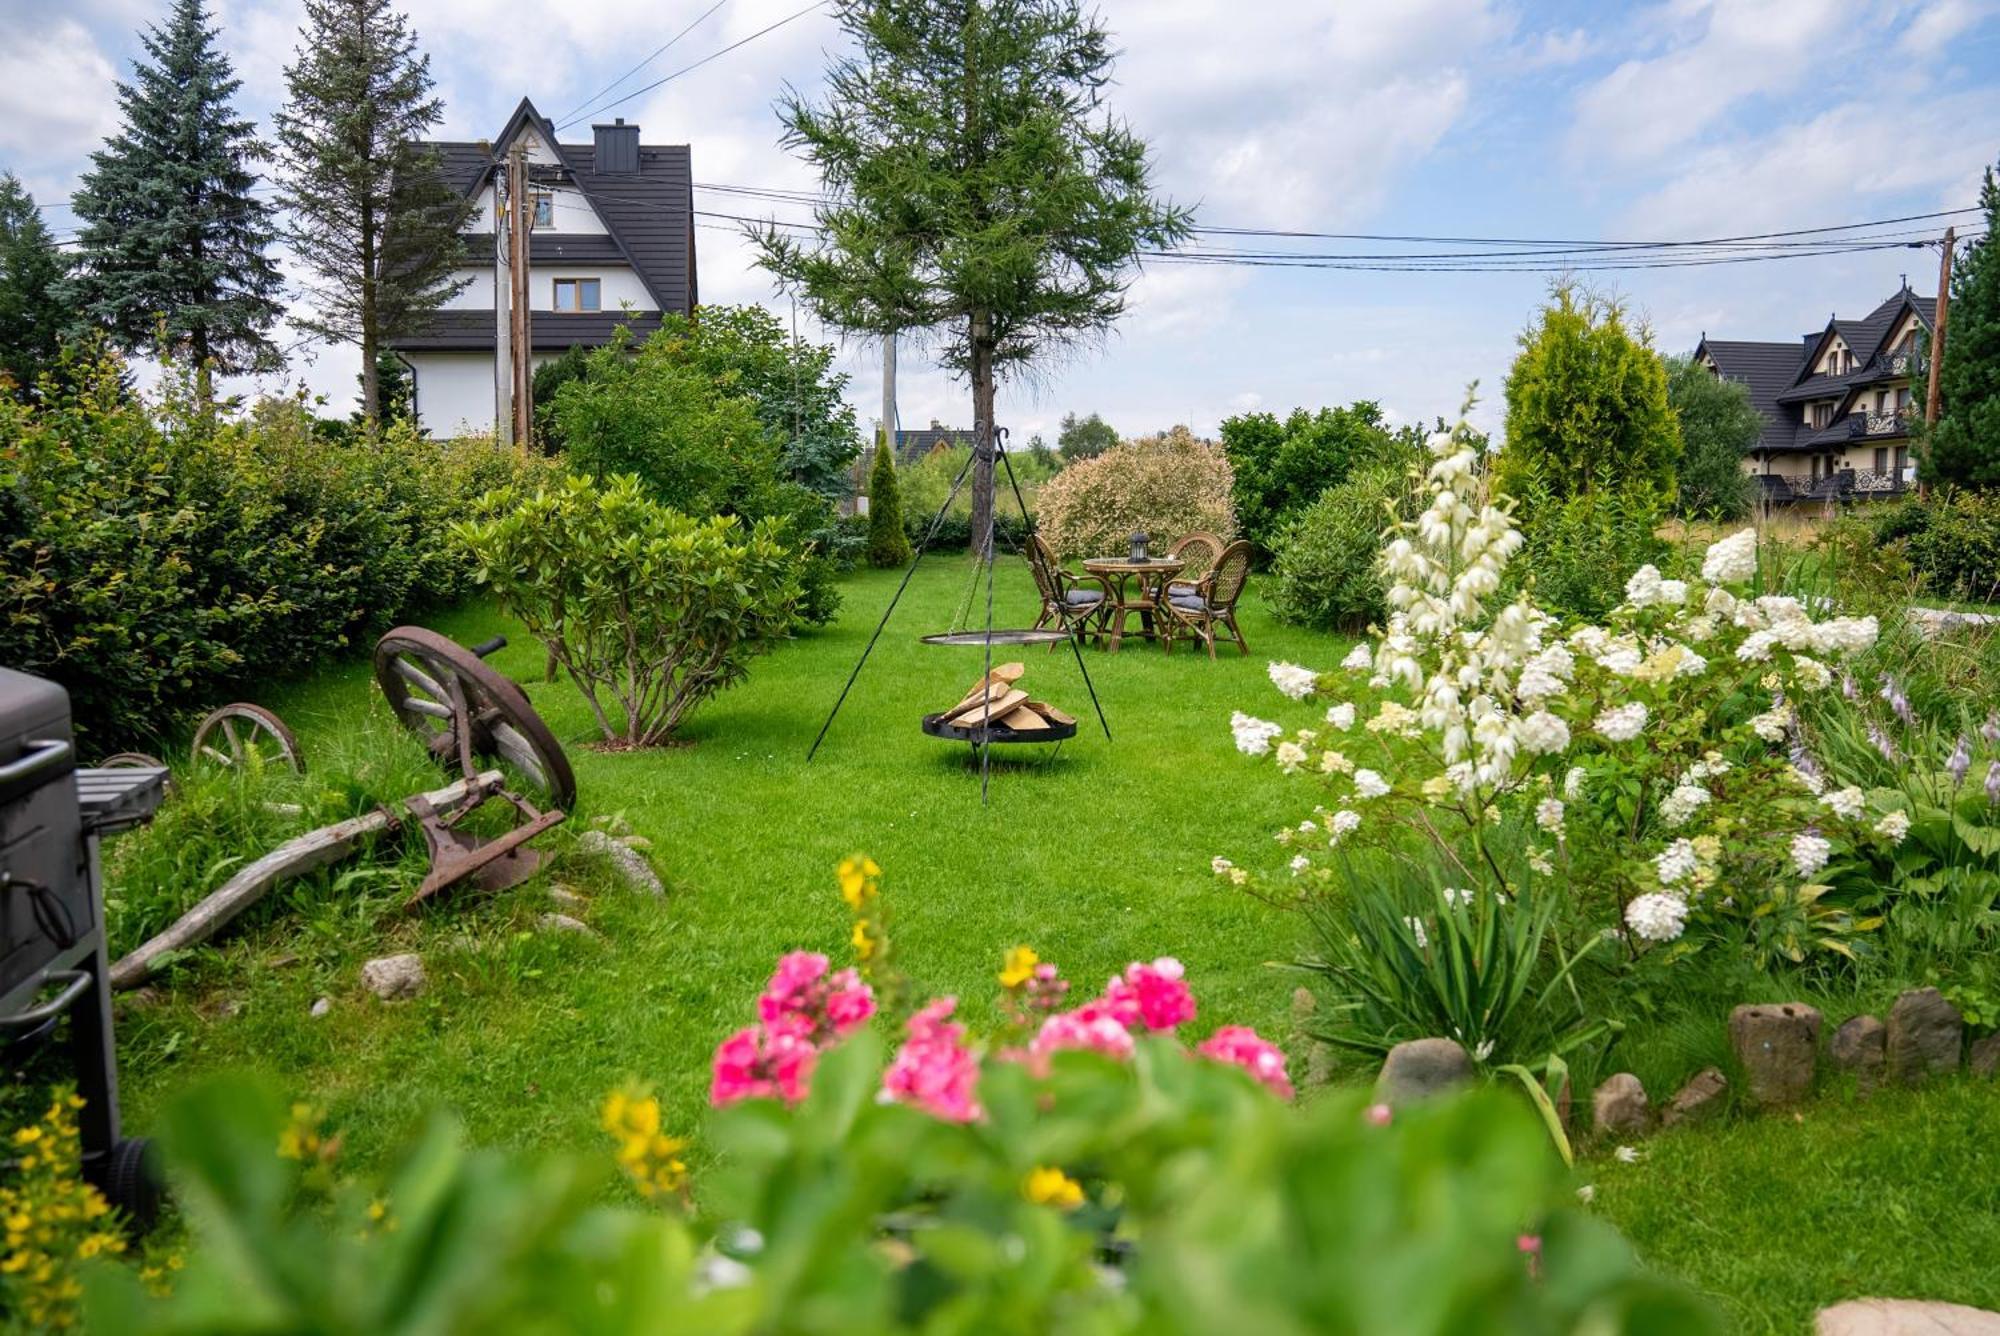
[
  {"x": 1836, "y": 403},
  {"x": 914, "y": 445},
  {"x": 612, "y": 243}
]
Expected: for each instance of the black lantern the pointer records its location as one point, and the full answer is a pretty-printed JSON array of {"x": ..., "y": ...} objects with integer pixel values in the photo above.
[{"x": 1139, "y": 546}]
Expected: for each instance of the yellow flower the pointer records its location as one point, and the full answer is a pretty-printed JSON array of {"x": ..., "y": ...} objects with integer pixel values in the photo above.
[
  {"x": 858, "y": 880},
  {"x": 648, "y": 1157},
  {"x": 300, "y": 1138},
  {"x": 864, "y": 945},
  {"x": 1019, "y": 967},
  {"x": 1048, "y": 1186}
]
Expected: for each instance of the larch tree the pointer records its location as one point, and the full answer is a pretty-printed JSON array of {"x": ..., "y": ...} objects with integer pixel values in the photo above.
[
  {"x": 979, "y": 192},
  {"x": 32, "y": 313},
  {"x": 375, "y": 223},
  {"x": 174, "y": 249}
]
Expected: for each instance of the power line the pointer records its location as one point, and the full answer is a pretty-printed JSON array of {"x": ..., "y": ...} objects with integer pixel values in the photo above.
[
  {"x": 647, "y": 88},
  {"x": 584, "y": 108}
]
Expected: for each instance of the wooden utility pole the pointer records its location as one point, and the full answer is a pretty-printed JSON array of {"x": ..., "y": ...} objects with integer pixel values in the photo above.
[
  {"x": 522, "y": 213},
  {"x": 1937, "y": 326},
  {"x": 503, "y": 324},
  {"x": 889, "y": 391}
]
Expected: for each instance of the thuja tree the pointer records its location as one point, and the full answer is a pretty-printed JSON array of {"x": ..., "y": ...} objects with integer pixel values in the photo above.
[
  {"x": 374, "y": 223},
  {"x": 175, "y": 245},
  {"x": 1963, "y": 445},
  {"x": 978, "y": 190},
  {"x": 888, "y": 545}
]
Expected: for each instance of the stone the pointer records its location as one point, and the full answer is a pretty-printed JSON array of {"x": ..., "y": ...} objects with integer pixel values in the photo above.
[
  {"x": 1985, "y": 1056},
  {"x": 1778, "y": 1045},
  {"x": 1926, "y": 1035},
  {"x": 1421, "y": 1068},
  {"x": 630, "y": 864},
  {"x": 1619, "y": 1106},
  {"x": 562, "y": 897},
  {"x": 393, "y": 978},
  {"x": 564, "y": 923},
  {"x": 321, "y": 1007},
  {"x": 1904, "y": 1317},
  {"x": 1861, "y": 1046},
  {"x": 1703, "y": 1097},
  {"x": 639, "y": 842},
  {"x": 1322, "y": 1063}
]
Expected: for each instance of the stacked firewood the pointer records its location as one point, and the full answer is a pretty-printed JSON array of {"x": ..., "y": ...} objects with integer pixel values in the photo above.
[{"x": 999, "y": 698}]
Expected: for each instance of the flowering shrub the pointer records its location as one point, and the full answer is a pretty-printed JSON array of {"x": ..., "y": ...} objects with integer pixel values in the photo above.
[
  {"x": 1166, "y": 486},
  {"x": 52, "y": 1220}
]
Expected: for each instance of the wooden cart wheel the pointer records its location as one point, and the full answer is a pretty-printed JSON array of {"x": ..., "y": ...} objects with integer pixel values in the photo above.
[
  {"x": 242, "y": 734},
  {"x": 464, "y": 710},
  {"x": 131, "y": 761}
]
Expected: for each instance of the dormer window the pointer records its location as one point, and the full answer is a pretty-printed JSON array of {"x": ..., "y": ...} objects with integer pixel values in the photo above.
[{"x": 579, "y": 294}]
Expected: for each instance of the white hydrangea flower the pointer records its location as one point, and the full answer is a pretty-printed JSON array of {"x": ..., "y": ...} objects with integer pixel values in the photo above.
[
  {"x": 1220, "y": 865},
  {"x": 1291, "y": 756},
  {"x": 1657, "y": 916},
  {"x": 1811, "y": 673},
  {"x": 1333, "y": 763},
  {"x": 1300, "y": 863},
  {"x": 1677, "y": 862},
  {"x": 1341, "y": 716},
  {"x": 1253, "y": 736},
  {"x": 1358, "y": 659},
  {"x": 1732, "y": 560},
  {"x": 1643, "y": 589},
  {"x": 1893, "y": 827},
  {"x": 1549, "y": 815},
  {"x": 1809, "y": 852},
  {"x": 1621, "y": 660},
  {"x": 1543, "y": 733},
  {"x": 1772, "y": 724},
  {"x": 1848, "y": 803},
  {"x": 1683, "y": 803},
  {"x": 1293, "y": 680},
  {"x": 1342, "y": 824},
  {"x": 1622, "y": 723},
  {"x": 1673, "y": 592},
  {"x": 1368, "y": 784}
]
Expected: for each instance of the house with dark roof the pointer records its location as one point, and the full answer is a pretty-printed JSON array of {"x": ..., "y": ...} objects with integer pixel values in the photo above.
[
  {"x": 914, "y": 445},
  {"x": 1836, "y": 402},
  {"x": 611, "y": 243}
]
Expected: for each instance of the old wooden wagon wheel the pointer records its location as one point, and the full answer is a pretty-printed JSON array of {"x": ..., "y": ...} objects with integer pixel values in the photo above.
[
  {"x": 242, "y": 734},
  {"x": 464, "y": 710}
]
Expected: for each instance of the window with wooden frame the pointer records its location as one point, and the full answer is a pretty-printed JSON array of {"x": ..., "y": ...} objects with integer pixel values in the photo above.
[{"x": 579, "y": 294}]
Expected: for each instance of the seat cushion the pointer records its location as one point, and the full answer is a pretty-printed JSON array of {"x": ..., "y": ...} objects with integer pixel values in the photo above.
[
  {"x": 1188, "y": 602},
  {"x": 1083, "y": 598}
]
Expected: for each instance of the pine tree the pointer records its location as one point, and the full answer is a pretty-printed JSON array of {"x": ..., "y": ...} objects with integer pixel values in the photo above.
[
  {"x": 888, "y": 544},
  {"x": 980, "y": 190},
  {"x": 173, "y": 238},
  {"x": 1962, "y": 447},
  {"x": 373, "y": 218},
  {"x": 32, "y": 315}
]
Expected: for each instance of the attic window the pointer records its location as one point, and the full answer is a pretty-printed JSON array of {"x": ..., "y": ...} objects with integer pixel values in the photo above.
[
  {"x": 579, "y": 294},
  {"x": 545, "y": 209}
]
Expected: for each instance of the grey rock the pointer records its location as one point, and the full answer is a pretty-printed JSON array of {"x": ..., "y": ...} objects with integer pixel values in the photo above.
[
  {"x": 1322, "y": 1063},
  {"x": 1985, "y": 1056},
  {"x": 562, "y": 897},
  {"x": 1904, "y": 1317},
  {"x": 1778, "y": 1045},
  {"x": 630, "y": 864},
  {"x": 639, "y": 842},
  {"x": 1926, "y": 1036},
  {"x": 1619, "y": 1107},
  {"x": 1701, "y": 1098},
  {"x": 321, "y": 1007},
  {"x": 393, "y": 978},
  {"x": 1420, "y": 1068},
  {"x": 564, "y": 923},
  {"x": 1861, "y": 1046}
]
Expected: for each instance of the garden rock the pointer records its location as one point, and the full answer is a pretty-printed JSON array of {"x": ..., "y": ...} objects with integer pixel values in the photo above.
[
  {"x": 1777, "y": 1044},
  {"x": 1420, "y": 1068},
  {"x": 1985, "y": 1059},
  {"x": 1861, "y": 1046},
  {"x": 1701, "y": 1098},
  {"x": 1321, "y": 1061},
  {"x": 322, "y": 1006},
  {"x": 1926, "y": 1034},
  {"x": 562, "y": 897},
  {"x": 564, "y": 923},
  {"x": 393, "y": 978},
  {"x": 1904, "y": 1317},
  {"x": 630, "y": 864},
  {"x": 1620, "y": 1106}
]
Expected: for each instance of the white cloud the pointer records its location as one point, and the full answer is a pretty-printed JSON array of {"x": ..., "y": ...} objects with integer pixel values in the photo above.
[
  {"x": 1936, "y": 24},
  {"x": 57, "y": 96}
]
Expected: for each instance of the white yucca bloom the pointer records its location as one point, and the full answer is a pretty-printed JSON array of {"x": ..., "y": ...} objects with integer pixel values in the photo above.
[
  {"x": 1732, "y": 560},
  {"x": 1293, "y": 680}
]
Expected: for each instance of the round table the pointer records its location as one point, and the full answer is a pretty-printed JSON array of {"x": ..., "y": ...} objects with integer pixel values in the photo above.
[{"x": 1136, "y": 587}]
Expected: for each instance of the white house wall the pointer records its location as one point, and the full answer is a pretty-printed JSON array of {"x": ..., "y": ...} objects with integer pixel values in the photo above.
[
  {"x": 454, "y": 392},
  {"x": 619, "y": 287},
  {"x": 572, "y": 214}
]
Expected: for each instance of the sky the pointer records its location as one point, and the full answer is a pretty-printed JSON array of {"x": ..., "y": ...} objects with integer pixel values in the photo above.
[{"x": 1682, "y": 120}]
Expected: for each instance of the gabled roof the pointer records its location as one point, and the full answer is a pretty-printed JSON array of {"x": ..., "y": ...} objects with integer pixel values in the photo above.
[
  {"x": 912, "y": 445},
  {"x": 1765, "y": 369}
]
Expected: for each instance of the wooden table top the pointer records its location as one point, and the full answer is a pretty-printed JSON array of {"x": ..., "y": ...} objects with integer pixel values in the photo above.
[{"x": 1127, "y": 566}]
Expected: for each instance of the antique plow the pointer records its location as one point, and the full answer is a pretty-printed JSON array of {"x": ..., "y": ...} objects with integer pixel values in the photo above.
[{"x": 474, "y": 722}]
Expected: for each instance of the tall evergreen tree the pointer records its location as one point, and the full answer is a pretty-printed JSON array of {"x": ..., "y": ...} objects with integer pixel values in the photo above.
[
  {"x": 32, "y": 314},
  {"x": 1963, "y": 446},
  {"x": 888, "y": 544},
  {"x": 1719, "y": 426},
  {"x": 173, "y": 236},
  {"x": 980, "y": 191},
  {"x": 375, "y": 222}
]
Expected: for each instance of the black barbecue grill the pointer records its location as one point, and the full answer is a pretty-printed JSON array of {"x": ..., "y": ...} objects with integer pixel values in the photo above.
[{"x": 52, "y": 960}]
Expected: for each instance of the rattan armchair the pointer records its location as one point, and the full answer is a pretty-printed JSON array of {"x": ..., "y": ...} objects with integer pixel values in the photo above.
[
  {"x": 1198, "y": 551},
  {"x": 1072, "y": 603},
  {"x": 1208, "y": 609}
]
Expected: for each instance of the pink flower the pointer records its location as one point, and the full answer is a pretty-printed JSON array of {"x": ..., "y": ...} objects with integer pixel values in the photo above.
[
  {"x": 831, "y": 1007},
  {"x": 849, "y": 1003},
  {"x": 1244, "y": 1047},
  {"x": 1091, "y": 1026},
  {"x": 791, "y": 988},
  {"x": 1379, "y": 1115},
  {"x": 1531, "y": 1245},
  {"x": 760, "y": 1061},
  {"x": 1151, "y": 994},
  {"x": 934, "y": 1069}
]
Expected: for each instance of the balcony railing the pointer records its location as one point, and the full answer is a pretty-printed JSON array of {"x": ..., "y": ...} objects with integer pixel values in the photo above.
[{"x": 1843, "y": 485}]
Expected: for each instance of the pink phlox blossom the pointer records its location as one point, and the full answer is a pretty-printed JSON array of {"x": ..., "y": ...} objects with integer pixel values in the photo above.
[
  {"x": 1244, "y": 1047},
  {"x": 1092, "y": 1026},
  {"x": 1154, "y": 995},
  {"x": 935, "y": 1069},
  {"x": 762, "y": 1061},
  {"x": 831, "y": 1007}
]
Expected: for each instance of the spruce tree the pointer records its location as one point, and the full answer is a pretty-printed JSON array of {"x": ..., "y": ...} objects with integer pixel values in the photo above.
[
  {"x": 373, "y": 219},
  {"x": 32, "y": 314},
  {"x": 888, "y": 544},
  {"x": 1962, "y": 448},
  {"x": 174, "y": 245}
]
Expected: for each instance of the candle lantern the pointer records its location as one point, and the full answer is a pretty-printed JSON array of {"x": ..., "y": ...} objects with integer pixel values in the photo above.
[{"x": 1139, "y": 546}]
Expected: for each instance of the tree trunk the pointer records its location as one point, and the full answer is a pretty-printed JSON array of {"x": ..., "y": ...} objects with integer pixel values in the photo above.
[
  {"x": 983, "y": 440},
  {"x": 371, "y": 388}
]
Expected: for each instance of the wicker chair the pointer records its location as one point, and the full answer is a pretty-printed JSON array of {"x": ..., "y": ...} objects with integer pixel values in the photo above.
[
  {"x": 1198, "y": 552},
  {"x": 1073, "y": 603},
  {"x": 1209, "y": 609}
]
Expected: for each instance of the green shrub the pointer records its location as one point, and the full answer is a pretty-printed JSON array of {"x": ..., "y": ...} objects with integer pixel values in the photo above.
[
  {"x": 1167, "y": 486},
  {"x": 162, "y": 554},
  {"x": 888, "y": 545},
  {"x": 924, "y": 483},
  {"x": 1580, "y": 549},
  {"x": 1281, "y": 468},
  {"x": 650, "y": 612},
  {"x": 1327, "y": 575},
  {"x": 1718, "y": 427},
  {"x": 1957, "y": 552}
]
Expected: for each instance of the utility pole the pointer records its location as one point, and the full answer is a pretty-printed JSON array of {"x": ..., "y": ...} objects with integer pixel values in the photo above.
[
  {"x": 503, "y": 323},
  {"x": 889, "y": 391},
  {"x": 517, "y": 237},
  {"x": 1937, "y": 329}
]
